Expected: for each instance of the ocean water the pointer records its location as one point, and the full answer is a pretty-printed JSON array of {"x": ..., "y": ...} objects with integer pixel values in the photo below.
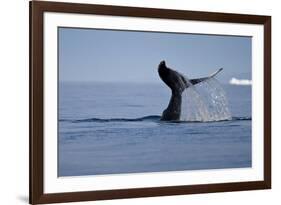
[{"x": 114, "y": 128}]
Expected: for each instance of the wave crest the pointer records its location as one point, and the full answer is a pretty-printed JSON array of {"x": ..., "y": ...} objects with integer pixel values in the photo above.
[
  {"x": 151, "y": 118},
  {"x": 145, "y": 118}
]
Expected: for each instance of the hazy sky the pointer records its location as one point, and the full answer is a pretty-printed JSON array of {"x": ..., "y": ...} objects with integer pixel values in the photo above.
[{"x": 126, "y": 56}]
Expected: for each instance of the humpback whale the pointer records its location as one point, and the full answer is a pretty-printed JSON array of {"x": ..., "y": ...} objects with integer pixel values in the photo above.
[{"x": 177, "y": 83}]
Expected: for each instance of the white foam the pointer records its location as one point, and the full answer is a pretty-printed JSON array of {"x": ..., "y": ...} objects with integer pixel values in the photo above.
[{"x": 235, "y": 81}]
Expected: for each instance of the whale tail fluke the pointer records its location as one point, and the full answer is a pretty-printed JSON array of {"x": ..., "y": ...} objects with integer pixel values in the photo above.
[
  {"x": 177, "y": 82},
  {"x": 199, "y": 80}
]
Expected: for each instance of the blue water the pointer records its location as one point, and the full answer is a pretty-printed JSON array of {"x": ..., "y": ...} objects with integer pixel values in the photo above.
[{"x": 112, "y": 128}]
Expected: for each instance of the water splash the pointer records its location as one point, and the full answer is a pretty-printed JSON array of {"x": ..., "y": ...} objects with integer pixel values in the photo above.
[{"x": 206, "y": 101}]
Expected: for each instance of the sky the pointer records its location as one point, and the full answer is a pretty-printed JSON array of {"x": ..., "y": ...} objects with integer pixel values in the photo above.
[{"x": 91, "y": 55}]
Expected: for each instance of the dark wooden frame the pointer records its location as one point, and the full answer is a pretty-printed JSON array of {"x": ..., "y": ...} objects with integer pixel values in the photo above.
[{"x": 37, "y": 9}]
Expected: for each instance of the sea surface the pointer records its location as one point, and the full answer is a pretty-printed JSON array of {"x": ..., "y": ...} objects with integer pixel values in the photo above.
[{"x": 114, "y": 128}]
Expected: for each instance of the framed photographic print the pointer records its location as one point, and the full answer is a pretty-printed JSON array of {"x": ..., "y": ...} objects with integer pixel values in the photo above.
[{"x": 139, "y": 102}]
